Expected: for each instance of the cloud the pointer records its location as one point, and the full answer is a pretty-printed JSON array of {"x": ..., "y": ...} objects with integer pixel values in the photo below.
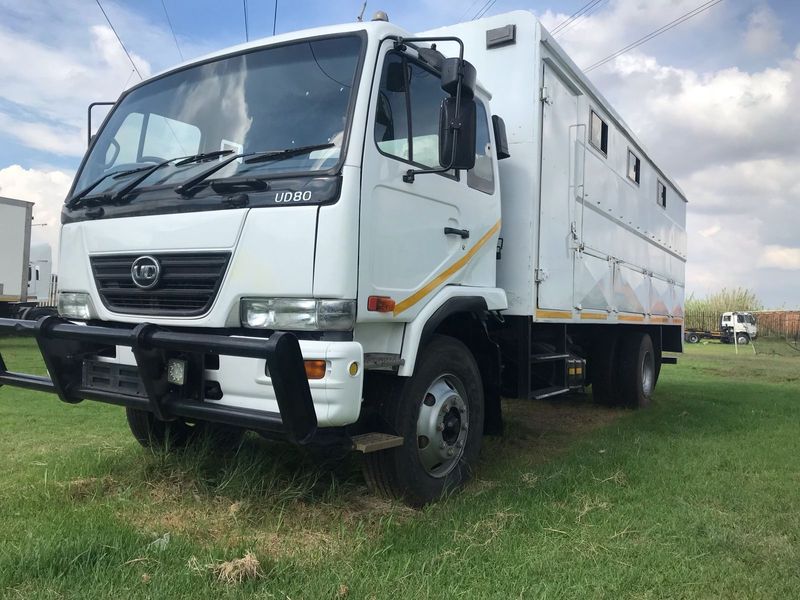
[
  {"x": 763, "y": 33},
  {"x": 47, "y": 189},
  {"x": 780, "y": 257}
]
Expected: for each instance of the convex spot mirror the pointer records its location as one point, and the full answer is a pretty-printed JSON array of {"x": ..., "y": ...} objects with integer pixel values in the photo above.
[{"x": 457, "y": 150}]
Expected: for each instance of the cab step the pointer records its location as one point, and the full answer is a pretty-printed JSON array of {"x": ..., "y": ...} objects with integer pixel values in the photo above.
[{"x": 548, "y": 392}]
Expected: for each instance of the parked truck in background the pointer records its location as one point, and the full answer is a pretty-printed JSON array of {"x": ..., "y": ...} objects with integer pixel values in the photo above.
[
  {"x": 360, "y": 237},
  {"x": 25, "y": 269},
  {"x": 734, "y": 327}
]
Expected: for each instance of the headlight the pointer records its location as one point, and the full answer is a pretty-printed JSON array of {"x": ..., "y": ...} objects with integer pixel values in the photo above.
[
  {"x": 298, "y": 314},
  {"x": 72, "y": 305}
]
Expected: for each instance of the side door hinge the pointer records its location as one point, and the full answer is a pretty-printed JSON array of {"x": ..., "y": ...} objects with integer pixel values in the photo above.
[
  {"x": 540, "y": 275},
  {"x": 544, "y": 95}
]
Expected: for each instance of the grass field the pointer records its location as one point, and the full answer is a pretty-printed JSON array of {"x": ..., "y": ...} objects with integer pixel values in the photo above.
[{"x": 698, "y": 497}]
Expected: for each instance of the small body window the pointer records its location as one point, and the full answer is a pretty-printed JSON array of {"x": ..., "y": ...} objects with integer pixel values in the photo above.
[
  {"x": 481, "y": 176},
  {"x": 634, "y": 167},
  {"x": 661, "y": 199},
  {"x": 598, "y": 134}
]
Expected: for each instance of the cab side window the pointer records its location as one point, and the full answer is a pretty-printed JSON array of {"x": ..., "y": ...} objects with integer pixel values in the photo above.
[
  {"x": 407, "y": 115},
  {"x": 481, "y": 176}
]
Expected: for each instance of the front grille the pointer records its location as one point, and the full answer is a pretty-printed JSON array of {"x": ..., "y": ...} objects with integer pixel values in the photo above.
[{"x": 187, "y": 285}]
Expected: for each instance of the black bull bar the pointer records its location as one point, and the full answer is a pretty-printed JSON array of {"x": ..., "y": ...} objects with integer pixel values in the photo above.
[{"x": 65, "y": 346}]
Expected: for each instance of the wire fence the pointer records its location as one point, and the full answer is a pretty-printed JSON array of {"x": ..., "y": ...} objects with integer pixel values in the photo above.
[{"x": 779, "y": 324}]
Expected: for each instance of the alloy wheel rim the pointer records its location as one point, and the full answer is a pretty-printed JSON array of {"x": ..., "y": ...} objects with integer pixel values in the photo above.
[{"x": 442, "y": 425}]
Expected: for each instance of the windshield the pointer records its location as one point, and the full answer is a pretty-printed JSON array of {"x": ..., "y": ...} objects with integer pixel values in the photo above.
[{"x": 267, "y": 100}]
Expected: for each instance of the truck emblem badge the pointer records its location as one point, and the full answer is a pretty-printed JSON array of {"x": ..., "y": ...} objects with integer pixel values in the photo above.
[{"x": 145, "y": 272}]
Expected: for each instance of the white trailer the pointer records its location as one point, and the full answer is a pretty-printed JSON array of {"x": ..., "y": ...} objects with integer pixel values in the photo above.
[
  {"x": 15, "y": 239},
  {"x": 338, "y": 236}
]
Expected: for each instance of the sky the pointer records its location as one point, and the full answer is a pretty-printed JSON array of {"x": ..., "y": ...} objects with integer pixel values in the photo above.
[{"x": 714, "y": 100}]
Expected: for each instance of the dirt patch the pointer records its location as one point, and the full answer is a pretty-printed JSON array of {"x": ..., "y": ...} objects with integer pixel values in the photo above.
[
  {"x": 543, "y": 429},
  {"x": 85, "y": 488}
]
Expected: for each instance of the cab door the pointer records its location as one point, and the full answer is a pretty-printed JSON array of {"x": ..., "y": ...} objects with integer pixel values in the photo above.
[{"x": 418, "y": 236}]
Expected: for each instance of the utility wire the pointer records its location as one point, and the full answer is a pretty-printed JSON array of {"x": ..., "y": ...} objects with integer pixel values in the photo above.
[
  {"x": 576, "y": 15},
  {"x": 585, "y": 15},
  {"x": 275, "y": 17},
  {"x": 128, "y": 54},
  {"x": 246, "y": 27},
  {"x": 171, "y": 28},
  {"x": 484, "y": 9},
  {"x": 469, "y": 9},
  {"x": 663, "y": 29}
]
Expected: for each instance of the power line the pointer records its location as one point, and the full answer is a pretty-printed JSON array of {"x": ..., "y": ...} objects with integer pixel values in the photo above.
[
  {"x": 484, "y": 9},
  {"x": 128, "y": 54},
  {"x": 469, "y": 9},
  {"x": 663, "y": 29},
  {"x": 172, "y": 29},
  {"x": 275, "y": 17},
  {"x": 576, "y": 15},
  {"x": 585, "y": 15},
  {"x": 246, "y": 27}
]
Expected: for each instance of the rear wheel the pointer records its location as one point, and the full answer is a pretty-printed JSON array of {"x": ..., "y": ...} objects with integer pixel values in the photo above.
[
  {"x": 692, "y": 338},
  {"x": 637, "y": 372},
  {"x": 171, "y": 435},
  {"x": 438, "y": 412}
]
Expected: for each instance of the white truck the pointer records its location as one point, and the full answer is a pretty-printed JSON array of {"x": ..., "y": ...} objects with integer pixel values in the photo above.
[
  {"x": 339, "y": 236},
  {"x": 25, "y": 269}
]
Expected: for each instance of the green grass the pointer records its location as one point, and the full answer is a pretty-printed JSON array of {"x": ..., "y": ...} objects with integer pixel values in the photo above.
[{"x": 698, "y": 497}]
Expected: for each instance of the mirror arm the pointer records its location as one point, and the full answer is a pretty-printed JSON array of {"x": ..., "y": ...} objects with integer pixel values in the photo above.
[{"x": 400, "y": 43}]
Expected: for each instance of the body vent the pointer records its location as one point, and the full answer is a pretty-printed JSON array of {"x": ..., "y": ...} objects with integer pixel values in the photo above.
[{"x": 187, "y": 285}]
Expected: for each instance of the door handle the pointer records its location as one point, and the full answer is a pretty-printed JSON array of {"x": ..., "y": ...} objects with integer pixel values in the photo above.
[{"x": 464, "y": 233}]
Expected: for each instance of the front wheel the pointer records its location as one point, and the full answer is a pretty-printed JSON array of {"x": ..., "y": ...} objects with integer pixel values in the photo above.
[
  {"x": 438, "y": 412},
  {"x": 742, "y": 339},
  {"x": 171, "y": 435}
]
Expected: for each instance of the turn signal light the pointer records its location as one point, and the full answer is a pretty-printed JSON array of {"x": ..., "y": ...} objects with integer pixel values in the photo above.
[
  {"x": 315, "y": 369},
  {"x": 380, "y": 304}
]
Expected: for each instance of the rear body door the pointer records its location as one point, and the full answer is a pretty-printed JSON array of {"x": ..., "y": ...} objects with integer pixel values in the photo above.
[{"x": 561, "y": 183}]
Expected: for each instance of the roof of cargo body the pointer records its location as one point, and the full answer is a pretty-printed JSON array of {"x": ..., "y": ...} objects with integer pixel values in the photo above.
[{"x": 571, "y": 69}]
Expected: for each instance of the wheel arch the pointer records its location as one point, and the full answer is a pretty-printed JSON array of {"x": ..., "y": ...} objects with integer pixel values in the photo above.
[{"x": 464, "y": 318}]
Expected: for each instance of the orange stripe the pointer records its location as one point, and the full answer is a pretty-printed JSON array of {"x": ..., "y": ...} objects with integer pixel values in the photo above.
[
  {"x": 553, "y": 314},
  {"x": 656, "y": 319},
  {"x": 630, "y": 318},
  {"x": 599, "y": 316},
  {"x": 446, "y": 274}
]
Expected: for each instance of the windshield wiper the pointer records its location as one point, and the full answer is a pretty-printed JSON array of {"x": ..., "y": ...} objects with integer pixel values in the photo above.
[
  {"x": 181, "y": 162},
  {"x": 76, "y": 199},
  {"x": 188, "y": 186},
  {"x": 287, "y": 153}
]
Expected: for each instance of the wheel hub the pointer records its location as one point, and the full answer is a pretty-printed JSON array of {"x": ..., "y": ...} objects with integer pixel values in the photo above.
[
  {"x": 648, "y": 374},
  {"x": 442, "y": 426}
]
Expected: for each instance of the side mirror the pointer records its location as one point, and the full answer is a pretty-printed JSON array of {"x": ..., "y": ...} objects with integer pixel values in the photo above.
[
  {"x": 500, "y": 138},
  {"x": 451, "y": 67},
  {"x": 457, "y": 138}
]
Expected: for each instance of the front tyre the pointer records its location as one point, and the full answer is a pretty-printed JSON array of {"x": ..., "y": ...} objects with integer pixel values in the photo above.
[
  {"x": 172, "y": 435},
  {"x": 438, "y": 412}
]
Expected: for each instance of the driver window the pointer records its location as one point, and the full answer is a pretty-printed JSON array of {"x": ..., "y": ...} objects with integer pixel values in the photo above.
[
  {"x": 481, "y": 176},
  {"x": 407, "y": 87}
]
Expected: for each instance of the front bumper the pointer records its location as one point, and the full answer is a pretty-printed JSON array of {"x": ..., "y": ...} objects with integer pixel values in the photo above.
[{"x": 65, "y": 346}]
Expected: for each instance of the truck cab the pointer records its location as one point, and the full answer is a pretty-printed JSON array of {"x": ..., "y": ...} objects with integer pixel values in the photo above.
[{"x": 738, "y": 327}]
